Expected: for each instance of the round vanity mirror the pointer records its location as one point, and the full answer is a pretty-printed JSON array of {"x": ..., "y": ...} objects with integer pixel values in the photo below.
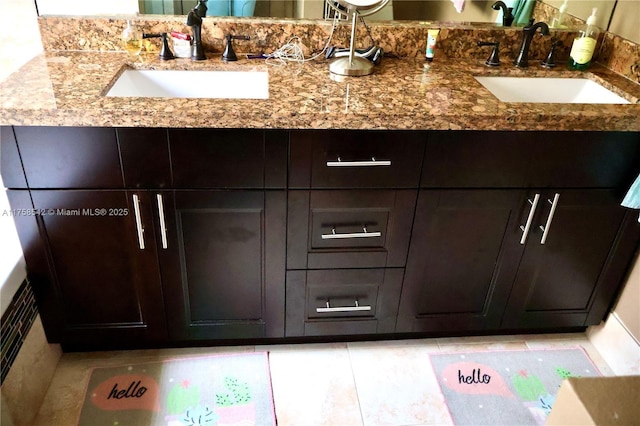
[
  {"x": 358, "y": 4},
  {"x": 353, "y": 65}
]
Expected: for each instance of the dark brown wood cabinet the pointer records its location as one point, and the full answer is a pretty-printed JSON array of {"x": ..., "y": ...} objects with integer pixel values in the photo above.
[
  {"x": 461, "y": 266},
  {"x": 139, "y": 237},
  {"x": 350, "y": 213},
  {"x": 502, "y": 256},
  {"x": 152, "y": 264},
  {"x": 567, "y": 265},
  {"x": 223, "y": 264},
  {"x": 94, "y": 277}
]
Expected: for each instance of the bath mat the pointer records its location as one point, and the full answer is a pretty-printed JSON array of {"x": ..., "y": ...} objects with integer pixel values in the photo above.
[
  {"x": 213, "y": 390},
  {"x": 506, "y": 387}
]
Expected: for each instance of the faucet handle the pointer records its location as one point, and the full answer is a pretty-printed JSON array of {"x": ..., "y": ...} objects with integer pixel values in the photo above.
[
  {"x": 494, "y": 58},
  {"x": 229, "y": 54},
  {"x": 165, "y": 52},
  {"x": 550, "y": 60}
]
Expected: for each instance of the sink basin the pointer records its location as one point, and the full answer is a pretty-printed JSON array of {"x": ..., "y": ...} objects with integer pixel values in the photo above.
[
  {"x": 192, "y": 84},
  {"x": 549, "y": 90}
]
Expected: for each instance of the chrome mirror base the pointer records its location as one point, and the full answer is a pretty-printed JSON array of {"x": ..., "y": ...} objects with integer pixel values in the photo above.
[{"x": 359, "y": 66}]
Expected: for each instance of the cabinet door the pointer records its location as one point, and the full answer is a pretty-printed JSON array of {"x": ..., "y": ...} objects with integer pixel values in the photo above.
[
  {"x": 223, "y": 264},
  {"x": 102, "y": 287},
  {"x": 460, "y": 265},
  {"x": 574, "y": 268}
]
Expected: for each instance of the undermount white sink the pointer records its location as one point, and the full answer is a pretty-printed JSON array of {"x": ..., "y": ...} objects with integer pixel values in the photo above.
[
  {"x": 550, "y": 90},
  {"x": 191, "y": 84}
]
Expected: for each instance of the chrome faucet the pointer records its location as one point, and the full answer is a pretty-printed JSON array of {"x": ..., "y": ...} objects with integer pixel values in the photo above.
[
  {"x": 522, "y": 60},
  {"x": 194, "y": 20}
]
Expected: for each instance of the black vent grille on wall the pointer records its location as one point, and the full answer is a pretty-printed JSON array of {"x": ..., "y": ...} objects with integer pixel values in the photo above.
[{"x": 16, "y": 323}]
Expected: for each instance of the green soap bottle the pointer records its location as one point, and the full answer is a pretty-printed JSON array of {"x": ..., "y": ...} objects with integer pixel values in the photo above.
[{"x": 584, "y": 44}]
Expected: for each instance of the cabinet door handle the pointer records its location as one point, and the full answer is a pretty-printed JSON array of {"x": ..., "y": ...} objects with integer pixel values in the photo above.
[
  {"x": 354, "y": 308},
  {"x": 363, "y": 163},
  {"x": 140, "y": 229},
  {"x": 525, "y": 228},
  {"x": 547, "y": 226},
  {"x": 363, "y": 234},
  {"x": 163, "y": 224}
]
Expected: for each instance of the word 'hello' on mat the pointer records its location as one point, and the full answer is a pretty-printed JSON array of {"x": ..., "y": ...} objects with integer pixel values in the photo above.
[
  {"x": 213, "y": 390},
  {"x": 506, "y": 387}
]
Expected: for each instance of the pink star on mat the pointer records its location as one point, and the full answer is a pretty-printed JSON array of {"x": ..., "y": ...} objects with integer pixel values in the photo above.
[
  {"x": 185, "y": 384},
  {"x": 523, "y": 373}
]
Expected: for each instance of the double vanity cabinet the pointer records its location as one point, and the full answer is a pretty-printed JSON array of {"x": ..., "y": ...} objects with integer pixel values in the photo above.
[{"x": 141, "y": 237}]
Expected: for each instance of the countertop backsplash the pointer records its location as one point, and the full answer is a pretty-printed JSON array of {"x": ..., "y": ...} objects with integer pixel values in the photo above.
[{"x": 405, "y": 39}]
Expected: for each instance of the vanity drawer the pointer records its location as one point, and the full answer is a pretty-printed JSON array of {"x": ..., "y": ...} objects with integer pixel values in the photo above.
[
  {"x": 583, "y": 159},
  {"x": 501, "y": 159},
  {"x": 228, "y": 158},
  {"x": 70, "y": 157},
  {"x": 349, "y": 159},
  {"x": 349, "y": 229},
  {"x": 342, "y": 301},
  {"x": 473, "y": 159},
  {"x": 10, "y": 164}
]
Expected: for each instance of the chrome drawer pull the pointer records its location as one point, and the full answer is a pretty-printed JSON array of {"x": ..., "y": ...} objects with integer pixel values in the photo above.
[
  {"x": 139, "y": 228},
  {"x": 163, "y": 224},
  {"x": 355, "y": 308},
  {"x": 527, "y": 226},
  {"x": 363, "y": 163},
  {"x": 547, "y": 226},
  {"x": 363, "y": 234}
]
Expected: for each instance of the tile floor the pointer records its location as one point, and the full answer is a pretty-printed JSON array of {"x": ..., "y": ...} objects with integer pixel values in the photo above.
[{"x": 359, "y": 383}]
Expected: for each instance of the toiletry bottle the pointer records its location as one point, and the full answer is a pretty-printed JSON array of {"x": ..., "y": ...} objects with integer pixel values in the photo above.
[
  {"x": 558, "y": 19},
  {"x": 584, "y": 44},
  {"x": 432, "y": 36},
  {"x": 132, "y": 39}
]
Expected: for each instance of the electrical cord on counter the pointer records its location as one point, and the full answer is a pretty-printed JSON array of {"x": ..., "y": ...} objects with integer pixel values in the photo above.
[{"x": 292, "y": 51}]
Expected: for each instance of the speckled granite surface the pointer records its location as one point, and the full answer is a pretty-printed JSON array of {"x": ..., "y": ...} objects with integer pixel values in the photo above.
[
  {"x": 397, "y": 38},
  {"x": 66, "y": 88}
]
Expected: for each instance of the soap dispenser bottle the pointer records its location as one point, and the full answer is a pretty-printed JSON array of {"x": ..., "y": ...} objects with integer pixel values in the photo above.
[
  {"x": 558, "y": 19},
  {"x": 584, "y": 44},
  {"x": 132, "y": 39}
]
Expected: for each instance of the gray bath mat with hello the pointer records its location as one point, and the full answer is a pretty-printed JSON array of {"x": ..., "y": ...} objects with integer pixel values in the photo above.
[
  {"x": 506, "y": 387},
  {"x": 213, "y": 390}
]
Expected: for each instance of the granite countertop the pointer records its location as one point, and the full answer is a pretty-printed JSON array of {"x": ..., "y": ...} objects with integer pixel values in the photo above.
[{"x": 66, "y": 88}]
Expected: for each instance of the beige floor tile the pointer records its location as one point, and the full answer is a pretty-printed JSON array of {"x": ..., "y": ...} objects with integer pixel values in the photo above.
[
  {"x": 430, "y": 345},
  {"x": 486, "y": 346},
  {"x": 25, "y": 386},
  {"x": 396, "y": 384},
  {"x": 481, "y": 339},
  {"x": 571, "y": 341},
  {"x": 313, "y": 385},
  {"x": 617, "y": 347}
]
